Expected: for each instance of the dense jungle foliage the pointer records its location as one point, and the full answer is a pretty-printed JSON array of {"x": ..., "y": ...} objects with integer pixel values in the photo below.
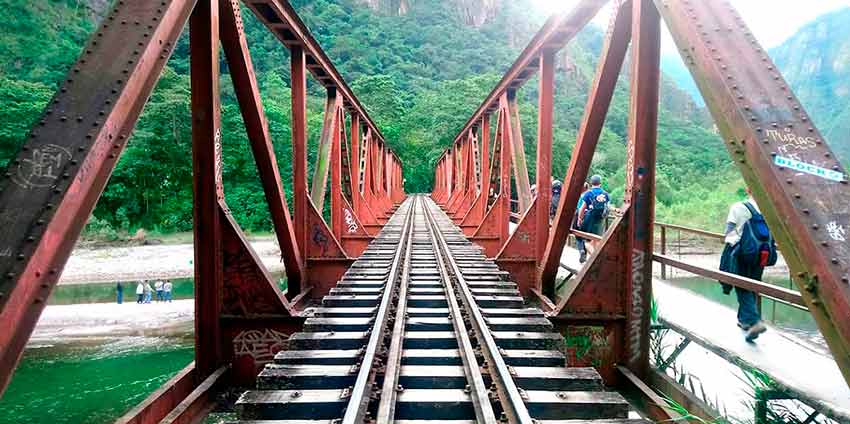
[{"x": 420, "y": 76}]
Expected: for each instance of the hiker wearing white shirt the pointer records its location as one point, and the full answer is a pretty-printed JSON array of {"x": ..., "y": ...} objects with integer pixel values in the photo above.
[
  {"x": 167, "y": 287},
  {"x": 158, "y": 287},
  {"x": 140, "y": 292},
  {"x": 749, "y": 248}
]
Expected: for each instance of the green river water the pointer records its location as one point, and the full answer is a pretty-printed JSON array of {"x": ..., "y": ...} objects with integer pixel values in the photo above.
[
  {"x": 93, "y": 383},
  {"x": 96, "y": 382}
]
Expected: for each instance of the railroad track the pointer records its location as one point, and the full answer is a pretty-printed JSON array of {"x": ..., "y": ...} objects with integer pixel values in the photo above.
[{"x": 423, "y": 328}]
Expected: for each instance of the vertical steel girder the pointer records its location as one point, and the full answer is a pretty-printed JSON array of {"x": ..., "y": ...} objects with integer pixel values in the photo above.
[
  {"x": 799, "y": 184},
  {"x": 208, "y": 190},
  {"x": 52, "y": 185},
  {"x": 640, "y": 180}
]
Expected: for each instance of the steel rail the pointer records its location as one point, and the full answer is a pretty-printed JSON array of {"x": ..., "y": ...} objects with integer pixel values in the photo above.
[
  {"x": 389, "y": 394},
  {"x": 478, "y": 390},
  {"x": 509, "y": 396},
  {"x": 358, "y": 402}
]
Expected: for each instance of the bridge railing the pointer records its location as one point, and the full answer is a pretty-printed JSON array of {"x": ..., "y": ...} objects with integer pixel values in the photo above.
[
  {"x": 804, "y": 198},
  {"x": 85, "y": 128},
  {"x": 773, "y": 292}
]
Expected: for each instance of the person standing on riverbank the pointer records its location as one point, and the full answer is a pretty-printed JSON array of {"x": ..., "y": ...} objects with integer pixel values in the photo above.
[
  {"x": 167, "y": 287},
  {"x": 119, "y": 293},
  {"x": 140, "y": 292},
  {"x": 748, "y": 249},
  {"x": 158, "y": 287},
  {"x": 148, "y": 292}
]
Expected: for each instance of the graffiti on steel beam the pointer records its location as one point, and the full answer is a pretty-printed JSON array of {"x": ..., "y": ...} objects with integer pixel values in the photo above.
[
  {"x": 836, "y": 231},
  {"x": 349, "y": 221},
  {"x": 261, "y": 345},
  {"x": 636, "y": 323},
  {"x": 43, "y": 168},
  {"x": 320, "y": 238},
  {"x": 588, "y": 346},
  {"x": 796, "y": 165}
]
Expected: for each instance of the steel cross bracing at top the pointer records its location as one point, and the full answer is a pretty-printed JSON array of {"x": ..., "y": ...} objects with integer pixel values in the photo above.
[
  {"x": 423, "y": 328},
  {"x": 420, "y": 319}
]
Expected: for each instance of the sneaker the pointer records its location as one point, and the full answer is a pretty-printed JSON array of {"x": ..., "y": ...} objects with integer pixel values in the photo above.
[
  {"x": 583, "y": 257},
  {"x": 755, "y": 331}
]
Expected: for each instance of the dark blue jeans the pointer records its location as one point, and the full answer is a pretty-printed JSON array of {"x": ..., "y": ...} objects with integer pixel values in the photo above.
[
  {"x": 748, "y": 313},
  {"x": 592, "y": 227}
]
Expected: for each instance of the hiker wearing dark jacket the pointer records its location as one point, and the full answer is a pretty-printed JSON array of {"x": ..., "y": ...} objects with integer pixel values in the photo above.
[{"x": 749, "y": 318}]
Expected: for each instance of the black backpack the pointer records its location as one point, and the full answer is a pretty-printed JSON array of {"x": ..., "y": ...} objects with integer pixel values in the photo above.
[{"x": 756, "y": 246}]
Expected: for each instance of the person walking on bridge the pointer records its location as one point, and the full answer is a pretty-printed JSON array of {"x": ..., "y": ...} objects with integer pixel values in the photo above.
[
  {"x": 591, "y": 214},
  {"x": 749, "y": 248}
]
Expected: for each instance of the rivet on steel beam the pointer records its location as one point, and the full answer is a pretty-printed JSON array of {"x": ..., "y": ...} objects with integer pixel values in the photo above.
[
  {"x": 10, "y": 275},
  {"x": 835, "y": 260},
  {"x": 824, "y": 243},
  {"x": 796, "y": 195},
  {"x": 827, "y": 154},
  {"x": 845, "y": 280},
  {"x": 48, "y": 206},
  {"x": 21, "y": 256},
  {"x": 815, "y": 226},
  {"x": 40, "y": 222},
  {"x": 38, "y": 300},
  {"x": 806, "y": 211},
  {"x": 788, "y": 181}
]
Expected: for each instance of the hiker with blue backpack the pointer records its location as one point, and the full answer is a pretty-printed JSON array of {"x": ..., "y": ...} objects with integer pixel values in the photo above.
[
  {"x": 749, "y": 249},
  {"x": 592, "y": 211}
]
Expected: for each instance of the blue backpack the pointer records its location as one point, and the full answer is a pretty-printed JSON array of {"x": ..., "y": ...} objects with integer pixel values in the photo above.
[
  {"x": 756, "y": 246},
  {"x": 598, "y": 208}
]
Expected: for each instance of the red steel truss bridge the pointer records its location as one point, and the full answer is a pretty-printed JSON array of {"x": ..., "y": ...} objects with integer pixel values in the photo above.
[{"x": 445, "y": 308}]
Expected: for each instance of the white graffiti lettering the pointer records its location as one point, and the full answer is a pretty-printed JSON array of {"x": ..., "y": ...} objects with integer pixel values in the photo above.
[
  {"x": 42, "y": 168},
  {"x": 261, "y": 345},
  {"x": 807, "y": 168},
  {"x": 836, "y": 231},
  {"x": 349, "y": 220},
  {"x": 637, "y": 311}
]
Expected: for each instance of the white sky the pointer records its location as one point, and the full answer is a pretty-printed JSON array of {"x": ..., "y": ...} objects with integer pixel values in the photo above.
[{"x": 772, "y": 21}]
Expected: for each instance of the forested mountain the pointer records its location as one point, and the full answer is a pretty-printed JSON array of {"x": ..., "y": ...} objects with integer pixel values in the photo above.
[
  {"x": 816, "y": 63},
  {"x": 420, "y": 72}
]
